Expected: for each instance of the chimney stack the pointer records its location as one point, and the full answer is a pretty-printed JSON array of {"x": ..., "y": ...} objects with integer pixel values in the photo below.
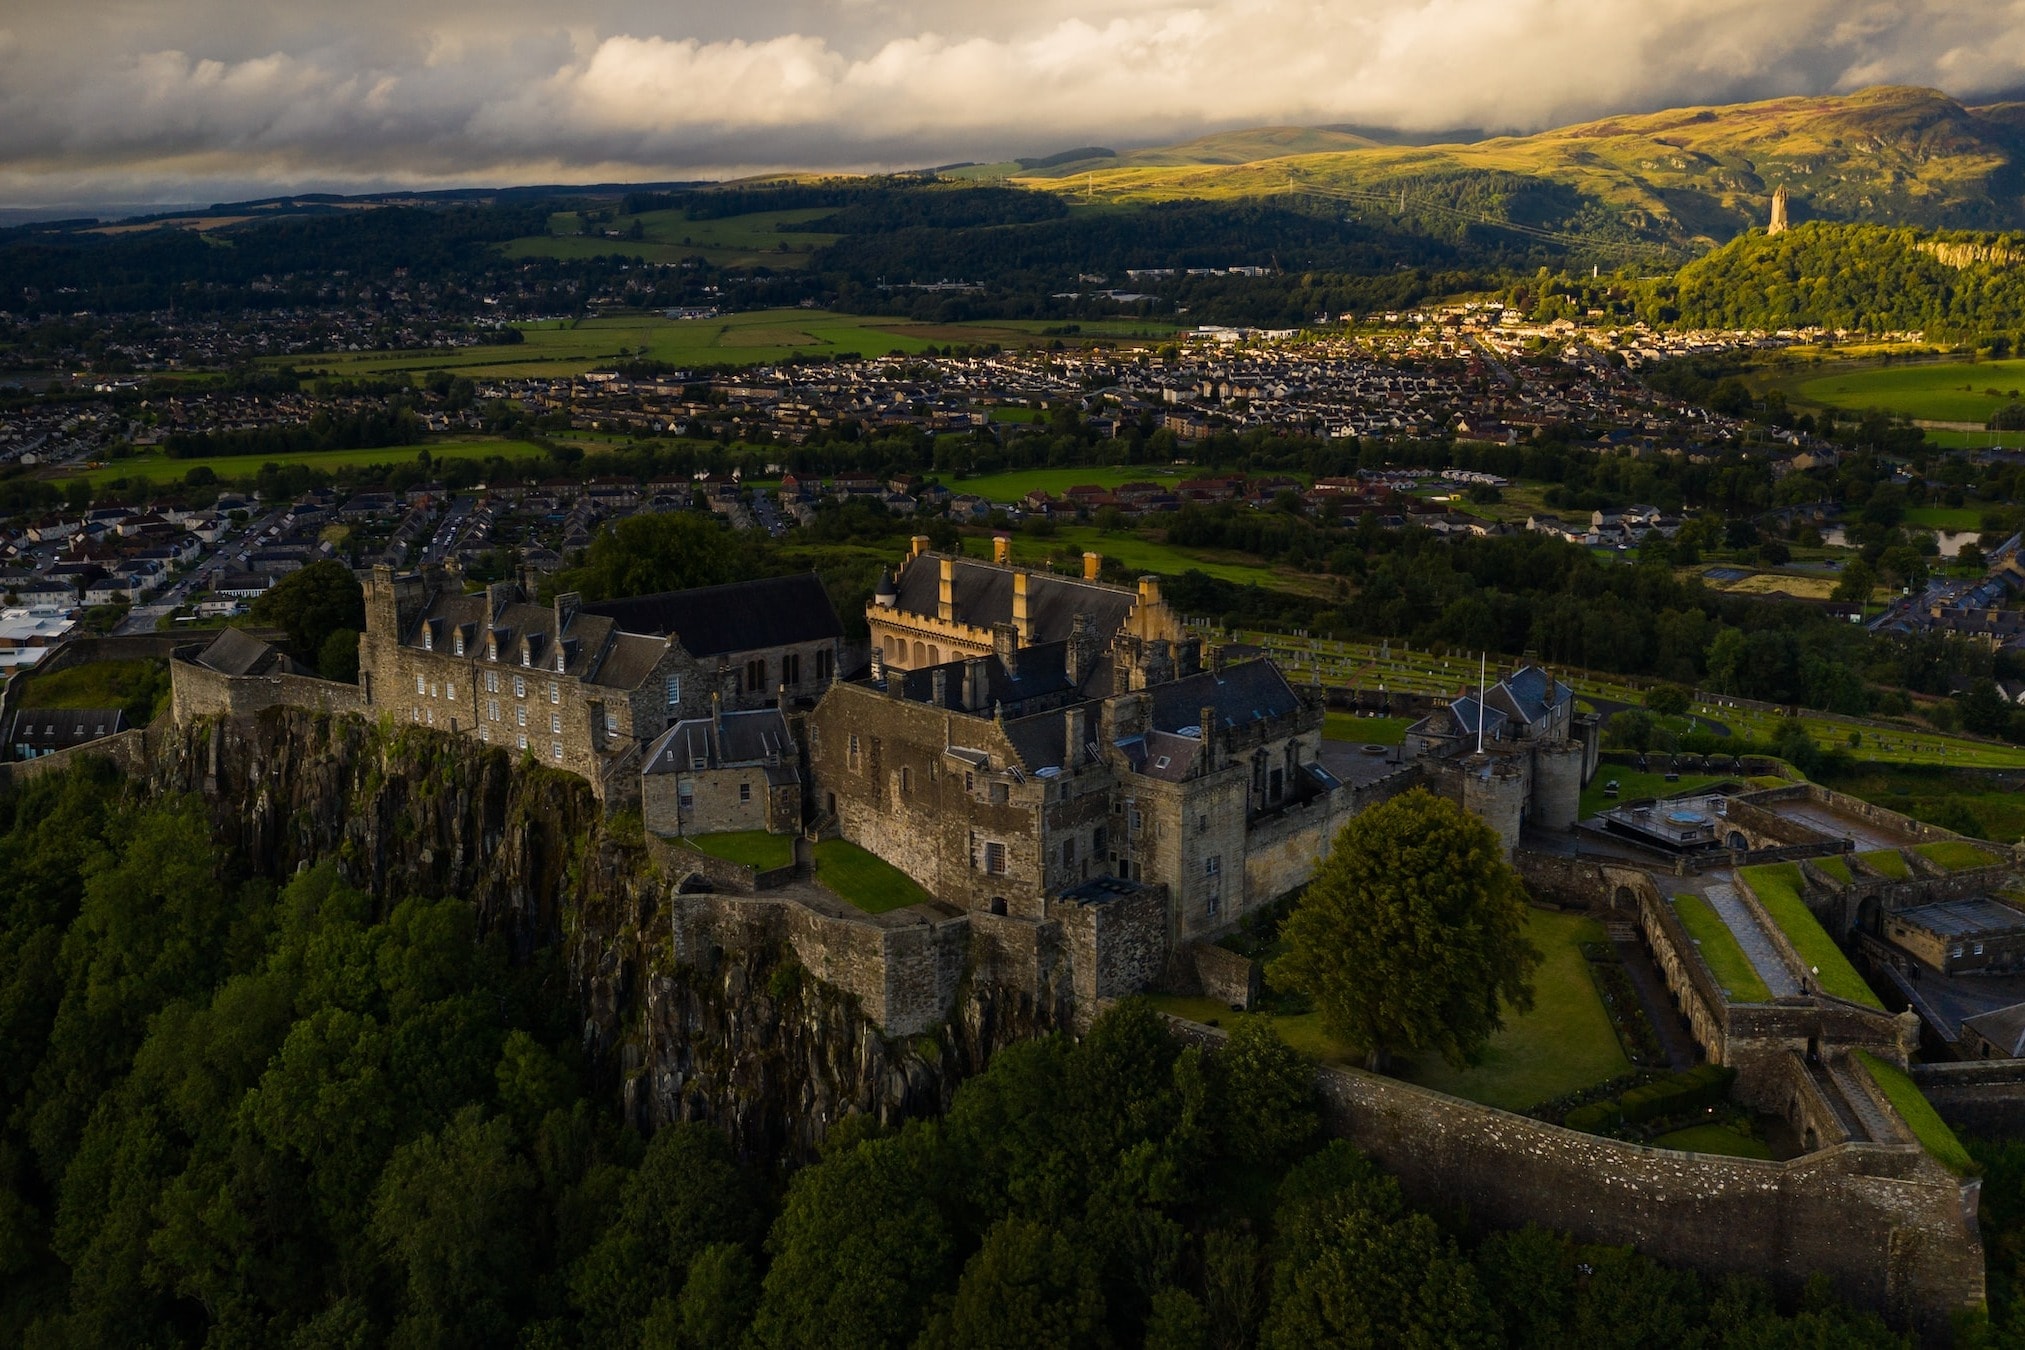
[
  {"x": 1001, "y": 550},
  {"x": 1093, "y": 564},
  {"x": 945, "y": 605},
  {"x": 1022, "y": 623},
  {"x": 939, "y": 679},
  {"x": 1208, "y": 759},
  {"x": 1074, "y": 735},
  {"x": 976, "y": 684},
  {"x": 919, "y": 545}
]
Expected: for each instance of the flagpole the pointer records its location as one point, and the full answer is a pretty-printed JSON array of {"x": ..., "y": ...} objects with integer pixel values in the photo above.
[{"x": 1481, "y": 669}]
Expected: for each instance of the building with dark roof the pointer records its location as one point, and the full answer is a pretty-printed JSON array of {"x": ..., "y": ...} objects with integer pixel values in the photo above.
[
  {"x": 35, "y": 732},
  {"x": 728, "y": 771},
  {"x": 1054, "y": 733},
  {"x": 586, "y": 687}
]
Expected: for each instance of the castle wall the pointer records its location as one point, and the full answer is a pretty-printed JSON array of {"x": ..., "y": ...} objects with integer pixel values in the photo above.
[
  {"x": 198, "y": 691},
  {"x": 1981, "y": 1097},
  {"x": 1117, "y": 946},
  {"x": 1890, "y": 1228},
  {"x": 1557, "y": 784}
]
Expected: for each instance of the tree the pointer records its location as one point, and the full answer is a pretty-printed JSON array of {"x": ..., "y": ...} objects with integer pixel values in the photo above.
[
  {"x": 1856, "y": 583},
  {"x": 642, "y": 555},
  {"x": 1028, "y": 1285},
  {"x": 338, "y": 657},
  {"x": 1411, "y": 937},
  {"x": 312, "y": 604},
  {"x": 1668, "y": 700}
]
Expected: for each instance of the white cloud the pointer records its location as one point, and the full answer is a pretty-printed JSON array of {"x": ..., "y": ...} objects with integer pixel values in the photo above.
[{"x": 460, "y": 90}]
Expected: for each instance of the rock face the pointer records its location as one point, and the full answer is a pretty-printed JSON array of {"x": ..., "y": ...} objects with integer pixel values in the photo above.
[{"x": 742, "y": 1037}]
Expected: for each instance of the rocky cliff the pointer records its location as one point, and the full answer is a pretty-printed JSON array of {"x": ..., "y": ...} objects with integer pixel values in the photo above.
[{"x": 741, "y": 1037}]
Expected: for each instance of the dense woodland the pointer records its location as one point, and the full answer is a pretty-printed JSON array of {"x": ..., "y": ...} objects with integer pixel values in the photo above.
[{"x": 243, "y": 1112}]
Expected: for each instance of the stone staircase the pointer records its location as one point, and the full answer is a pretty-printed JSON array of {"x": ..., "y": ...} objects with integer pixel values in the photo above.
[
  {"x": 1838, "y": 1102},
  {"x": 1877, "y": 1124}
]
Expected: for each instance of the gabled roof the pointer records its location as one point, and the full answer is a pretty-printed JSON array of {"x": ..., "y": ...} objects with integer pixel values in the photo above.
[
  {"x": 1252, "y": 692},
  {"x": 2003, "y": 1028},
  {"x": 743, "y": 616},
  {"x": 237, "y": 652},
  {"x": 1530, "y": 694},
  {"x": 46, "y": 729},
  {"x": 737, "y": 738}
]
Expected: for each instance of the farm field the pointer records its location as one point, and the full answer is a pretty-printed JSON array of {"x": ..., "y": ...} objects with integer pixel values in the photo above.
[
  {"x": 1942, "y": 391},
  {"x": 565, "y": 347},
  {"x": 235, "y": 468},
  {"x": 754, "y": 240},
  {"x": 1010, "y": 487}
]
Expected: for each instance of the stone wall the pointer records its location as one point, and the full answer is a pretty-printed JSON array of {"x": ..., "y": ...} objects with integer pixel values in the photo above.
[
  {"x": 1979, "y": 1097},
  {"x": 904, "y": 976},
  {"x": 1117, "y": 946},
  {"x": 130, "y": 750},
  {"x": 1890, "y": 1228},
  {"x": 198, "y": 691},
  {"x": 1224, "y": 975}
]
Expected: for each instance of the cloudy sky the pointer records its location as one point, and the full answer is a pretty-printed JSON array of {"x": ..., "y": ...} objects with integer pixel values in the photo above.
[{"x": 176, "y": 100}]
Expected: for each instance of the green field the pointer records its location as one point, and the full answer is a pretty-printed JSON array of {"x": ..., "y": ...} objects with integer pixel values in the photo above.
[
  {"x": 235, "y": 468},
  {"x": 1777, "y": 887},
  {"x": 1888, "y": 862},
  {"x": 1010, "y": 487},
  {"x": 1136, "y": 553},
  {"x": 1945, "y": 517},
  {"x": 1733, "y": 970},
  {"x": 748, "y": 848},
  {"x": 1919, "y": 1115},
  {"x": 868, "y": 882},
  {"x": 1957, "y": 855},
  {"x": 1940, "y": 391},
  {"x": 133, "y": 685}
]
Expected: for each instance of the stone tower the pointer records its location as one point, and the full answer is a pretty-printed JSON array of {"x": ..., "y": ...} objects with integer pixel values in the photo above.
[{"x": 1778, "y": 211}]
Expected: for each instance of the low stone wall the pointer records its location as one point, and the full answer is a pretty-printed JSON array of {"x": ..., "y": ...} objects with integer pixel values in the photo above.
[
  {"x": 1687, "y": 976},
  {"x": 1890, "y": 1228},
  {"x": 1224, "y": 975},
  {"x": 1985, "y": 1097},
  {"x": 1116, "y": 947},
  {"x": 129, "y": 750}
]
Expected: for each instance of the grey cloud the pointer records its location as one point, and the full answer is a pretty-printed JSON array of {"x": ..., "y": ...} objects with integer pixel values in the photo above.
[{"x": 105, "y": 96}]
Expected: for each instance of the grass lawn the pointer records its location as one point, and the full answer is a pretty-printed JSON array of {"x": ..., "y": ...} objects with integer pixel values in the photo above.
[
  {"x": 1010, "y": 487},
  {"x": 1888, "y": 862},
  {"x": 1566, "y": 1042},
  {"x": 1720, "y": 953},
  {"x": 752, "y": 848},
  {"x": 1777, "y": 887},
  {"x": 1835, "y": 868},
  {"x": 1945, "y": 517},
  {"x": 866, "y": 881},
  {"x": 1339, "y": 726},
  {"x": 1957, "y": 855},
  {"x": 96, "y": 684},
  {"x": 1718, "y": 1139},
  {"x": 233, "y": 468},
  {"x": 1635, "y": 786},
  {"x": 1942, "y": 391},
  {"x": 1919, "y": 1115}
]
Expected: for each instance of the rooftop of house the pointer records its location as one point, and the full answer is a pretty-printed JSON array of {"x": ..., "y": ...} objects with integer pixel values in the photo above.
[
  {"x": 237, "y": 652},
  {"x": 2003, "y": 1028},
  {"x": 742, "y": 616},
  {"x": 982, "y": 596},
  {"x": 728, "y": 740},
  {"x": 1978, "y": 916}
]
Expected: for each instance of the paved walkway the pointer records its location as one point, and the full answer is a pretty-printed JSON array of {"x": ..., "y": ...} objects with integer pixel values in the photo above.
[
  {"x": 1838, "y": 826},
  {"x": 1757, "y": 944},
  {"x": 1875, "y": 1123}
]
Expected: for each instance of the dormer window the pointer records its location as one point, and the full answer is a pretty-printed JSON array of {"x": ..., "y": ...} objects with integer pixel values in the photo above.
[
  {"x": 428, "y": 639},
  {"x": 561, "y": 662},
  {"x": 526, "y": 656},
  {"x": 457, "y": 643}
]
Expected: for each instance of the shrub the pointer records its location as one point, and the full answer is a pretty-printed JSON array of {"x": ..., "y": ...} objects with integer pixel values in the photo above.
[{"x": 1595, "y": 1118}]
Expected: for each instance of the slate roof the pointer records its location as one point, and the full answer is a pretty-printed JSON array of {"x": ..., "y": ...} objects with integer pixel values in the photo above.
[
  {"x": 737, "y": 738},
  {"x": 48, "y": 729},
  {"x": 1531, "y": 694},
  {"x": 2003, "y": 1028},
  {"x": 983, "y": 596},
  {"x": 1162, "y": 754},
  {"x": 237, "y": 652},
  {"x": 1252, "y": 692},
  {"x": 1043, "y": 671},
  {"x": 742, "y": 616},
  {"x": 1465, "y": 712}
]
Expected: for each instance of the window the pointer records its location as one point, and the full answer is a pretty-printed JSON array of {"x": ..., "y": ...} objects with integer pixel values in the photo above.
[
  {"x": 492, "y": 710},
  {"x": 554, "y": 692},
  {"x": 421, "y": 685},
  {"x": 428, "y": 639},
  {"x": 457, "y": 642},
  {"x": 1212, "y": 865},
  {"x": 555, "y": 751},
  {"x": 1069, "y": 851},
  {"x": 906, "y": 779},
  {"x": 791, "y": 669},
  {"x": 1202, "y": 824},
  {"x": 450, "y": 689},
  {"x": 685, "y": 796},
  {"x": 854, "y": 749},
  {"x": 1134, "y": 822},
  {"x": 562, "y": 660},
  {"x": 1100, "y": 842},
  {"x": 969, "y": 781},
  {"x": 674, "y": 692},
  {"x": 491, "y": 681},
  {"x": 755, "y": 674},
  {"x": 519, "y": 687},
  {"x": 527, "y": 656},
  {"x": 611, "y": 723},
  {"x": 522, "y": 741},
  {"x": 1979, "y": 949},
  {"x": 1213, "y": 906},
  {"x": 555, "y": 724},
  {"x": 745, "y": 792},
  {"x": 1954, "y": 951},
  {"x": 520, "y": 716},
  {"x": 994, "y": 858},
  {"x": 825, "y": 663}
]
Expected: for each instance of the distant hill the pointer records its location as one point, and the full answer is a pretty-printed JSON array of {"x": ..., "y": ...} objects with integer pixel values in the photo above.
[{"x": 1686, "y": 179}]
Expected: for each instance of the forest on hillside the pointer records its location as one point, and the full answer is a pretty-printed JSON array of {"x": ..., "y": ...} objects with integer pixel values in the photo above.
[{"x": 244, "y": 1110}]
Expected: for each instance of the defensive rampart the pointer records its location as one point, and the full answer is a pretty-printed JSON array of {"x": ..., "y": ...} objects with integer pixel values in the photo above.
[{"x": 1889, "y": 1227}]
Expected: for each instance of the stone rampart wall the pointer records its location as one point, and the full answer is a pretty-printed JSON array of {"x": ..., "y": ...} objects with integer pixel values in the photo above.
[
  {"x": 1984, "y": 1097},
  {"x": 1890, "y": 1228},
  {"x": 129, "y": 750},
  {"x": 1224, "y": 975},
  {"x": 1117, "y": 947},
  {"x": 202, "y": 692}
]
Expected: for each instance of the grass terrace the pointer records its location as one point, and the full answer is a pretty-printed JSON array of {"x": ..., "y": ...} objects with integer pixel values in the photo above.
[
  {"x": 1720, "y": 952},
  {"x": 1887, "y": 862},
  {"x": 1339, "y": 726},
  {"x": 868, "y": 882},
  {"x": 1777, "y": 887},
  {"x": 1717, "y": 1139},
  {"x": 1836, "y": 868},
  {"x": 1957, "y": 855},
  {"x": 95, "y": 684},
  {"x": 749, "y": 848},
  {"x": 1919, "y": 1115}
]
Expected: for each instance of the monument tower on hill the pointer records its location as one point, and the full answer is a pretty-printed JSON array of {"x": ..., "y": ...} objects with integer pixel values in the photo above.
[{"x": 1779, "y": 222}]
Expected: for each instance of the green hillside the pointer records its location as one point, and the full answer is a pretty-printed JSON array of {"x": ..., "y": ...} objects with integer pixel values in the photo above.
[{"x": 1686, "y": 178}]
